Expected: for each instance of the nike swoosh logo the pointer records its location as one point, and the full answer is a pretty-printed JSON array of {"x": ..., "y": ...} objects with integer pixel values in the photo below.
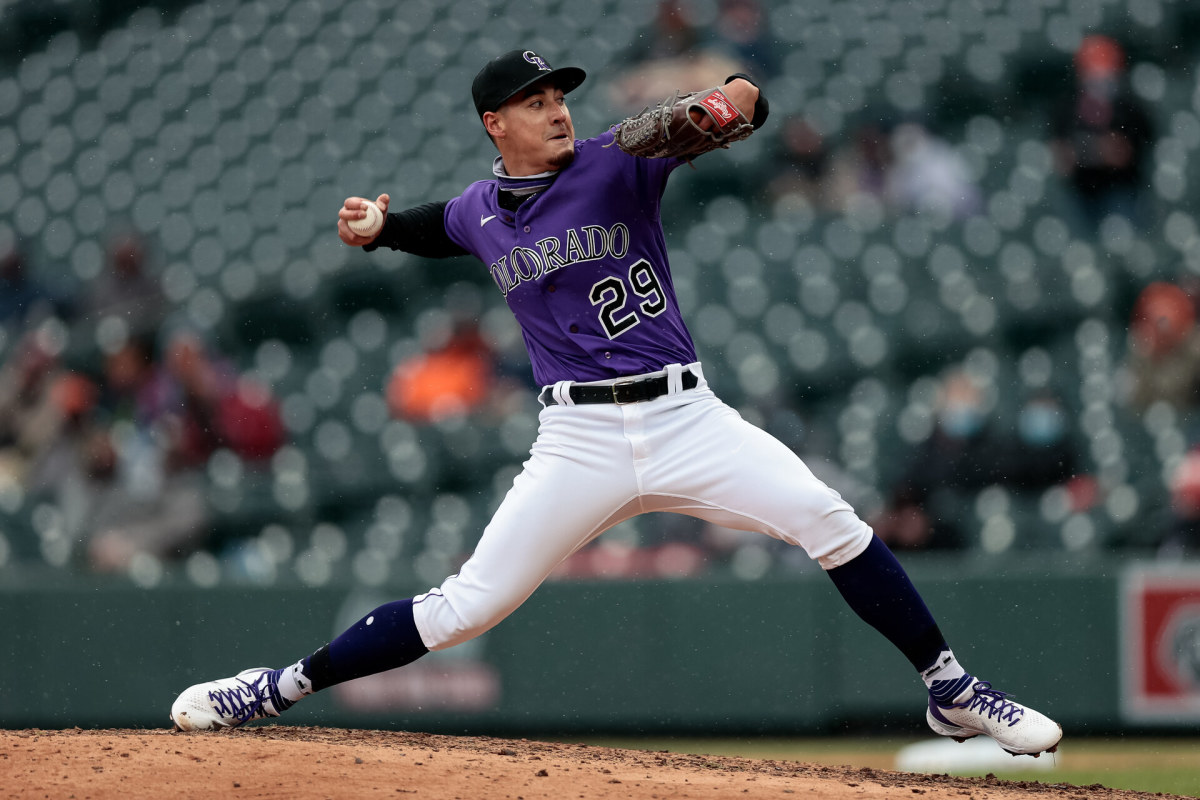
[{"x": 485, "y": 220}]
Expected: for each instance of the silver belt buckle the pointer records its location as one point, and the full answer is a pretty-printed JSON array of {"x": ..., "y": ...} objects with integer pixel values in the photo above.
[{"x": 618, "y": 400}]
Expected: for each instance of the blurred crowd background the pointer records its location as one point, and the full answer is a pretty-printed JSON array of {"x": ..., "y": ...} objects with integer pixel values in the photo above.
[{"x": 957, "y": 271}]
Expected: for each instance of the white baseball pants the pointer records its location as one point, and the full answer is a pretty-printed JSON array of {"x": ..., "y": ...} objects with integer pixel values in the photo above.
[{"x": 594, "y": 466}]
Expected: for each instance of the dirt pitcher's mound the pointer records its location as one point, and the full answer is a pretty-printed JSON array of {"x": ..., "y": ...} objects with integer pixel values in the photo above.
[{"x": 307, "y": 763}]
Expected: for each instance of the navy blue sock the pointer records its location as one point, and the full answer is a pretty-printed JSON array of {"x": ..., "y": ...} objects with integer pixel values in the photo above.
[
  {"x": 384, "y": 639},
  {"x": 879, "y": 590}
]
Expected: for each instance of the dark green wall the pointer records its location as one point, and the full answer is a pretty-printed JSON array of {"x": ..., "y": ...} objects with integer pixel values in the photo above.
[{"x": 691, "y": 656}]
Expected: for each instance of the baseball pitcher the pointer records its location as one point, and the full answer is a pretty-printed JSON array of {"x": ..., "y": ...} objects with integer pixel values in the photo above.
[{"x": 569, "y": 231}]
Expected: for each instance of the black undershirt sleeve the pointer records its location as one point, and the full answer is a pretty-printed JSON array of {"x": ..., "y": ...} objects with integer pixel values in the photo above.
[{"x": 420, "y": 231}]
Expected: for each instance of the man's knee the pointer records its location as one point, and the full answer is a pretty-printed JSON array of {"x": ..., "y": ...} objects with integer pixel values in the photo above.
[{"x": 443, "y": 623}]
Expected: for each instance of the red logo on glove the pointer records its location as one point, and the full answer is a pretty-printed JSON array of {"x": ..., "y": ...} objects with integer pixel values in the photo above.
[{"x": 718, "y": 104}]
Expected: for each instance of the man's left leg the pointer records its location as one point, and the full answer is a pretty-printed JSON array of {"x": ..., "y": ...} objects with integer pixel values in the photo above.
[
  {"x": 876, "y": 587},
  {"x": 747, "y": 479}
]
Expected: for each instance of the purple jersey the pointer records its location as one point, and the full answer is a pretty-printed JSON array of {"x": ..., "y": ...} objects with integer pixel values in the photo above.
[{"x": 583, "y": 265}]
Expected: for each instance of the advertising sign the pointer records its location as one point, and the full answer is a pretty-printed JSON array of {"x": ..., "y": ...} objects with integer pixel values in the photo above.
[{"x": 1160, "y": 644}]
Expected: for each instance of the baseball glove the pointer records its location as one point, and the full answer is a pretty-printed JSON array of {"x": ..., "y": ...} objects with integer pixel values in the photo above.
[{"x": 670, "y": 130}]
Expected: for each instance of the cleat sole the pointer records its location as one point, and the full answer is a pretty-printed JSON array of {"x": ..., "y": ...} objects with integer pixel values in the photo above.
[{"x": 1015, "y": 753}]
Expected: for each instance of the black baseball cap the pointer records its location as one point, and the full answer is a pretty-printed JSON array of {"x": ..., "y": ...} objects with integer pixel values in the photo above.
[{"x": 506, "y": 75}]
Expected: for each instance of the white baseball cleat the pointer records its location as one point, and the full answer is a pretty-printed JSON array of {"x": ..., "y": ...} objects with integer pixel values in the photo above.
[
  {"x": 1018, "y": 729},
  {"x": 229, "y": 702}
]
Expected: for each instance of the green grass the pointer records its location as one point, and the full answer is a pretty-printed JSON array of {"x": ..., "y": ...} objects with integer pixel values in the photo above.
[{"x": 1143, "y": 764}]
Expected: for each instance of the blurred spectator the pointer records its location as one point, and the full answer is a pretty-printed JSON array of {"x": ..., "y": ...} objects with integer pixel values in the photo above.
[
  {"x": 212, "y": 407},
  {"x": 452, "y": 380},
  {"x": 1183, "y": 536},
  {"x": 799, "y": 163},
  {"x": 672, "y": 34},
  {"x": 1102, "y": 135},
  {"x": 1043, "y": 453},
  {"x": 39, "y": 400},
  {"x": 671, "y": 57},
  {"x": 1163, "y": 358},
  {"x": 928, "y": 175},
  {"x": 126, "y": 290},
  {"x": 159, "y": 422},
  {"x": 860, "y": 169},
  {"x": 958, "y": 458},
  {"x": 656, "y": 81},
  {"x": 905, "y": 168},
  {"x": 22, "y": 298},
  {"x": 137, "y": 503},
  {"x": 742, "y": 33}
]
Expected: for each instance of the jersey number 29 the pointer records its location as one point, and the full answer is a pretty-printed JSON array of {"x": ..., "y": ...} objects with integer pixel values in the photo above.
[{"x": 611, "y": 294}]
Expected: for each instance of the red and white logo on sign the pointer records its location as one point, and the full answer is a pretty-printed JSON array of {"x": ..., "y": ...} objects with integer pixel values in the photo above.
[
  {"x": 1160, "y": 643},
  {"x": 721, "y": 110}
]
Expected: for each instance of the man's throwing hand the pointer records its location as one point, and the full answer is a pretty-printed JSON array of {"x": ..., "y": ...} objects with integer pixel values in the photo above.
[{"x": 355, "y": 208}]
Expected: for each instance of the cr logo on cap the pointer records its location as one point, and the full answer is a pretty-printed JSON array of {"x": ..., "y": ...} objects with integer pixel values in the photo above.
[{"x": 536, "y": 60}]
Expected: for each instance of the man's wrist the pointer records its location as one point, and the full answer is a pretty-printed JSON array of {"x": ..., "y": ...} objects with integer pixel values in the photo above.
[{"x": 761, "y": 107}]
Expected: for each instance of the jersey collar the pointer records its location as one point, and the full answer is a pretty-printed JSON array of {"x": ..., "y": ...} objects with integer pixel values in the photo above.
[{"x": 521, "y": 186}]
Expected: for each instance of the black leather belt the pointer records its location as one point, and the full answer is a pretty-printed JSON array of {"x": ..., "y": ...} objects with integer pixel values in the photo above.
[{"x": 621, "y": 392}]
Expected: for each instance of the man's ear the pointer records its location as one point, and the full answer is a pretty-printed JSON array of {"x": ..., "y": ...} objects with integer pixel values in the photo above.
[{"x": 493, "y": 123}]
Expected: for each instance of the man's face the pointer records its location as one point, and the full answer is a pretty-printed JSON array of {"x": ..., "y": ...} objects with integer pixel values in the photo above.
[{"x": 533, "y": 131}]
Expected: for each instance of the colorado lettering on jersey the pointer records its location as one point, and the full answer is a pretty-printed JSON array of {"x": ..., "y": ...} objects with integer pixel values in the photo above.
[{"x": 587, "y": 243}]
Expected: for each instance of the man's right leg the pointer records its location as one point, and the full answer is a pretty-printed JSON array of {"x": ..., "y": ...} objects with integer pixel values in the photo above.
[
  {"x": 577, "y": 483},
  {"x": 384, "y": 639}
]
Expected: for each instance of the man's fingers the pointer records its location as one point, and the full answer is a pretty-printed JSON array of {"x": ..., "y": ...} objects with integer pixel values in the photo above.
[{"x": 353, "y": 208}]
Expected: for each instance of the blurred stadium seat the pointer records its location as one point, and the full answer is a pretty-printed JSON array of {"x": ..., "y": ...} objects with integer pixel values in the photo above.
[{"x": 229, "y": 133}]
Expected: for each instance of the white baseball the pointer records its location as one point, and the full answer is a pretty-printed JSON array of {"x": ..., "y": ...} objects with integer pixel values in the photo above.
[{"x": 370, "y": 225}]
